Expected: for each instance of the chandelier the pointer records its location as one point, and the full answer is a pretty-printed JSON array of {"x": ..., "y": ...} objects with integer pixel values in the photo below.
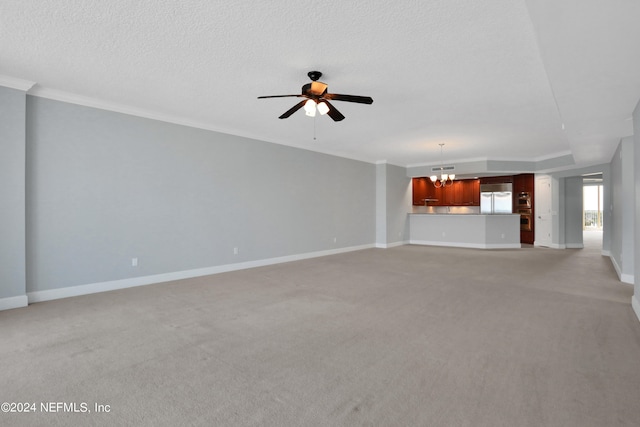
[{"x": 444, "y": 178}]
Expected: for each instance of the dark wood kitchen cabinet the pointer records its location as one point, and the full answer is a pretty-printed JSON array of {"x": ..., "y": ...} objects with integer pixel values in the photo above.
[
  {"x": 419, "y": 191},
  {"x": 446, "y": 195},
  {"x": 524, "y": 204},
  {"x": 523, "y": 183},
  {"x": 503, "y": 179},
  {"x": 476, "y": 192},
  {"x": 464, "y": 192},
  {"x": 458, "y": 193},
  {"x": 432, "y": 192},
  {"x": 470, "y": 192},
  {"x": 467, "y": 192}
]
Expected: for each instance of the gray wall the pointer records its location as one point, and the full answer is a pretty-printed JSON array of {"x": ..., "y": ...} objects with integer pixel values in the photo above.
[
  {"x": 564, "y": 197},
  {"x": 558, "y": 218},
  {"x": 105, "y": 187},
  {"x": 393, "y": 202},
  {"x": 12, "y": 193},
  {"x": 399, "y": 202},
  {"x": 636, "y": 195},
  {"x": 469, "y": 231},
  {"x": 573, "y": 212},
  {"x": 622, "y": 209},
  {"x": 381, "y": 204}
]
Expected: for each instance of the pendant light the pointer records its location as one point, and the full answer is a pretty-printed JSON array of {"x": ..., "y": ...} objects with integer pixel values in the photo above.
[{"x": 444, "y": 178}]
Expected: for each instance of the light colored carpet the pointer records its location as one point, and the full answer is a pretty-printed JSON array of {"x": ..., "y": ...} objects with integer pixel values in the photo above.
[{"x": 408, "y": 336}]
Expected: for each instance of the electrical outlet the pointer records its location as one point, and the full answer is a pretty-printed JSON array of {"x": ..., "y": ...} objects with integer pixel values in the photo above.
[
  {"x": 335, "y": 239},
  {"x": 134, "y": 262},
  {"x": 235, "y": 251}
]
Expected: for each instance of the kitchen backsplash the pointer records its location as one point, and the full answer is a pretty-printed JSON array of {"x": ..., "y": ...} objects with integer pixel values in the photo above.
[{"x": 446, "y": 209}]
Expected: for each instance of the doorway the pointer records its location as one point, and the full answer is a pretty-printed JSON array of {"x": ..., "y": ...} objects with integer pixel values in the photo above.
[
  {"x": 592, "y": 211},
  {"x": 592, "y": 207}
]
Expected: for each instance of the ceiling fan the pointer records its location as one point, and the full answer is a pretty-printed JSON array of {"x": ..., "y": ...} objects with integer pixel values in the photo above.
[{"x": 317, "y": 98}]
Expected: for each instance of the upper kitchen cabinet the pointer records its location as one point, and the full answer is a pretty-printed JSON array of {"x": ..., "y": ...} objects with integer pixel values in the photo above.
[
  {"x": 464, "y": 192},
  {"x": 475, "y": 186},
  {"x": 458, "y": 194},
  {"x": 496, "y": 179},
  {"x": 523, "y": 183},
  {"x": 470, "y": 192},
  {"x": 419, "y": 191}
]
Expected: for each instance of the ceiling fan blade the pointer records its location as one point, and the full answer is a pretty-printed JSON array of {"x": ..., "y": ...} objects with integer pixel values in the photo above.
[
  {"x": 278, "y": 96},
  {"x": 349, "y": 98},
  {"x": 293, "y": 109},
  {"x": 333, "y": 112}
]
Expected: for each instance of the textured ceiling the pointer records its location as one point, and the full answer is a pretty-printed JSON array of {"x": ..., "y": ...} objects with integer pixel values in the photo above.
[{"x": 492, "y": 79}]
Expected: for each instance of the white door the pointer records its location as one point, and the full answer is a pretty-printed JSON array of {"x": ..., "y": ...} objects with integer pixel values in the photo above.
[{"x": 542, "y": 207}]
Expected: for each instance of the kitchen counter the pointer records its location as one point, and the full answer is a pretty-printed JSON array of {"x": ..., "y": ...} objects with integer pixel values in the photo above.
[
  {"x": 468, "y": 230},
  {"x": 446, "y": 210},
  {"x": 450, "y": 214}
]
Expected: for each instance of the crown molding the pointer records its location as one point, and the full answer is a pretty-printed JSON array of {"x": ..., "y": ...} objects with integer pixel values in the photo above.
[
  {"x": 63, "y": 96},
  {"x": 14, "y": 83},
  {"x": 553, "y": 155},
  {"x": 456, "y": 161}
]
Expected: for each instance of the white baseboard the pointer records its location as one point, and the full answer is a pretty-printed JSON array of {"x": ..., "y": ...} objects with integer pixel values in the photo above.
[
  {"x": 467, "y": 245},
  {"x": 627, "y": 279},
  {"x": 635, "y": 303},
  {"x": 92, "y": 288},
  {"x": 391, "y": 245},
  {"x": 624, "y": 278},
  {"x": 13, "y": 302},
  {"x": 545, "y": 245},
  {"x": 574, "y": 246},
  {"x": 559, "y": 245}
]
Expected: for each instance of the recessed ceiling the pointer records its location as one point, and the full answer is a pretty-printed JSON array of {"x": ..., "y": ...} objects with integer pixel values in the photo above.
[{"x": 496, "y": 79}]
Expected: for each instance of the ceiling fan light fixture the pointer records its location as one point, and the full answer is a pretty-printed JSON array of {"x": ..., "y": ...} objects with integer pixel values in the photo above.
[
  {"x": 310, "y": 108},
  {"x": 323, "y": 108}
]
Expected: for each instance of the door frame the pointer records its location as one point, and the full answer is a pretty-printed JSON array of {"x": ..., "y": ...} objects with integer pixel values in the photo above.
[{"x": 543, "y": 218}]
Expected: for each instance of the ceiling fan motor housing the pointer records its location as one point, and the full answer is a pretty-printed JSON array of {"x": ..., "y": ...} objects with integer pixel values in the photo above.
[{"x": 314, "y": 75}]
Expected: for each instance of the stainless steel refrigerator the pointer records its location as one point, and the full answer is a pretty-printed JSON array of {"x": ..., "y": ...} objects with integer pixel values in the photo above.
[{"x": 496, "y": 198}]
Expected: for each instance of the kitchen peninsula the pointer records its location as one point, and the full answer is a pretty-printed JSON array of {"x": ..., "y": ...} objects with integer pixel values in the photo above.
[
  {"x": 467, "y": 230},
  {"x": 485, "y": 213}
]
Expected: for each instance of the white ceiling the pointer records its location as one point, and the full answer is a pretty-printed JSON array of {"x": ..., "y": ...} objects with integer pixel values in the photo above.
[{"x": 492, "y": 79}]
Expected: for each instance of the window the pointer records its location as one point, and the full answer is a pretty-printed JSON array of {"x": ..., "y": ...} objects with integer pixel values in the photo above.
[{"x": 592, "y": 207}]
